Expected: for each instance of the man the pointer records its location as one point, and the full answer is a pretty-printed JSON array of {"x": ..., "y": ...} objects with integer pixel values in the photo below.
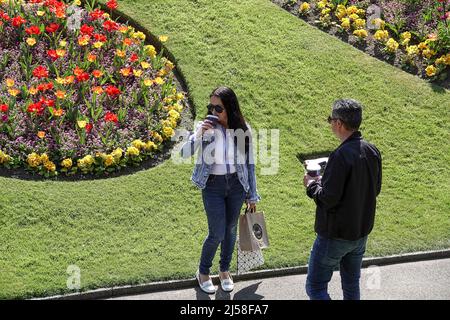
[{"x": 346, "y": 199}]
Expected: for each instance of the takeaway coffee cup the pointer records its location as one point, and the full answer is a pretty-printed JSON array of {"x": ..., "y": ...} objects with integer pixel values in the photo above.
[{"x": 213, "y": 119}]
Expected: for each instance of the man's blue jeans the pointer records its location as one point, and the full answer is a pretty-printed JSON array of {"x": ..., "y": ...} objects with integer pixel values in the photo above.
[
  {"x": 223, "y": 197},
  {"x": 326, "y": 256}
]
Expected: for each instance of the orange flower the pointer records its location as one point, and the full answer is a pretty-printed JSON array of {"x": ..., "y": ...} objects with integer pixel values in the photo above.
[
  {"x": 69, "y": 79},
  {"x": 127, "y": 42},
  {"x": 97, "y": 90},
  {"x": 60, "y": 13},
  {"x": 92, "y": 57},
  {"x": 61, "y": 53},
  {"x": 97, "y": 73},
  {"x": 9, "y": 83},
  {"x": 58, "y": 112},
  {"x": 121, "y": 53},
  {"x": 84, "y": 40},
  {"x": 126, "y": 72},
  {"x": 123, "y": 29},
  {"x": 14, "y": 92},
  {"x": 60, "y": 94},
  {"x": 41, "y": 134},
  {"x": 77, "y": 71},
  {"x": 32, "y": 91}
]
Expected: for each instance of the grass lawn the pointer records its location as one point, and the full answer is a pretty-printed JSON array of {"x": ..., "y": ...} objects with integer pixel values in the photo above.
[{"x": 150, "y": 225}]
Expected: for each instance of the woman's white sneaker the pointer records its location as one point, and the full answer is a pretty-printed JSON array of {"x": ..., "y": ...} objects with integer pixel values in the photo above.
[
  {"x": 227, "y": 283},
  {"x": 206, "y": 286}
]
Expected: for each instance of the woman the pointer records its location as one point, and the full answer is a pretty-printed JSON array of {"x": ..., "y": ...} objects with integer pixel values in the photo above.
[{"x": 225, "y": 171}]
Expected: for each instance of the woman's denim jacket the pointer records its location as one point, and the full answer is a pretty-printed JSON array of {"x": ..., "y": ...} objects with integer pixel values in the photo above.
[{"x": 245, "y": 169}]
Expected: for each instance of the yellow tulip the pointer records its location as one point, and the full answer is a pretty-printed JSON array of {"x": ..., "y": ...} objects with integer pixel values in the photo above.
[
  {"x": 159, "y": 81},
  {"x": 391, "y": 45},
  {"x": 430, "y": 70},
  {"x": 31, "y": 41},
  {"x": 345, "y": 23},
  {"x": 10, "y": 83},
  {"x": 67, "y": 163},
  {"x": 304, "y": 7},
  {"x": 145, "y": 65},
  {"x": 360, "y": 33}
]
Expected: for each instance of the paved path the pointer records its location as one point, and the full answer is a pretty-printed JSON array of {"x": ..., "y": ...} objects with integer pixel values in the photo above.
[{"x": 416, "y": 280}]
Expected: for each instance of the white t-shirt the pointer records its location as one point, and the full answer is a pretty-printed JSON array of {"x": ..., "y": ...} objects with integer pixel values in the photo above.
[{"x": 224, "y": 152}]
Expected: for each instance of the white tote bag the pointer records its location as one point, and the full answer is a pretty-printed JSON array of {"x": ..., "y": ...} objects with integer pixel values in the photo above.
[{"x": 248, "y": 260}]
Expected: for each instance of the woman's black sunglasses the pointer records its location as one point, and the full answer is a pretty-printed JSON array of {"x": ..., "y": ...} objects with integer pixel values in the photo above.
[{"x": 219, "y": 109}]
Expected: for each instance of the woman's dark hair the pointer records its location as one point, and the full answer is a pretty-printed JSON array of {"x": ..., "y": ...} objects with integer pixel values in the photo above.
[
  {"x": 235, "y": 118},
  {"x": 230, "y": 102}
]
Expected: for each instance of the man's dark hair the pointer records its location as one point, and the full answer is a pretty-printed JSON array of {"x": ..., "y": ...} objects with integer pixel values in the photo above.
[{"x": 349, "y": 111}]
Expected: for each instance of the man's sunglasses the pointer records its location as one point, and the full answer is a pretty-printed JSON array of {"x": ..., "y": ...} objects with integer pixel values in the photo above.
[
  {"x": 219, "y": 109},
  {"x": 331, "y": 119}
]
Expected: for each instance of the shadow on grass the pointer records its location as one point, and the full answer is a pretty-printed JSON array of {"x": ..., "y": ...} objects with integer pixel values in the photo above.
[
  {"x": 438, "y": 88},
  {"x": 312, "y": 155}
]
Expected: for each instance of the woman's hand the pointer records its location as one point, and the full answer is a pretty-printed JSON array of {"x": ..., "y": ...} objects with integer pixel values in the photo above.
[
  {"x": 251, "y": 206},
  {"x": 206, "y": 125}
]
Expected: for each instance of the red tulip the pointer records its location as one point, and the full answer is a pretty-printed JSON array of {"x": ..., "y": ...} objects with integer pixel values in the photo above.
[
  {"x": 112, "y": 4},
  {"x": 47, "y": 102},
  {"x": 4, "y": 16},
  {"x": 18, "y": 21},
  {"x": 33, "y": 30},
  {"x": 37, "y": 107},
  {"x": 45, "y": 87},
  {"x": 52, "y": 54},
  {"x": 83, "y": 77},
  {"x": 40, "y": 72},
  {"x": 52, "y": 28},
  {"x": 96, "y": 14},
  {"x": 4, "y": 108},
  {"x": 134, "y": 57},
  {"x": 112, "y": 91},
  {"x": 110, "y": 25},
  {"x": 100, "y": 37},
  {"x": 111, "y": 117},
  {"x": 88, "y": 127},
  {"x": 85, "y": 29}
]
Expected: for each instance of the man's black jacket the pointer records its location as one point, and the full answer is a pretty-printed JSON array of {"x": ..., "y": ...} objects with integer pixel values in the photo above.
[{"x": 346, "y": 195}]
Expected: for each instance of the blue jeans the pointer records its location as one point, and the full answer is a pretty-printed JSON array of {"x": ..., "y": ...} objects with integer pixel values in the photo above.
[
  {"x": 223, "y": 197},
  {"x": 328, "y": 255}
]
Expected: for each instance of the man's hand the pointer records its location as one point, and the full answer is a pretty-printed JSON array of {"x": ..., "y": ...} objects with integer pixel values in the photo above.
[{"x": 308, "y": 179}]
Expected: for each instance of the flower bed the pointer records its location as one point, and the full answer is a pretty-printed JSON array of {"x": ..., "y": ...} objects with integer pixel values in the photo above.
[
  {"x": 79, "y": 92},
  {"x": 413, "y": 35}
]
